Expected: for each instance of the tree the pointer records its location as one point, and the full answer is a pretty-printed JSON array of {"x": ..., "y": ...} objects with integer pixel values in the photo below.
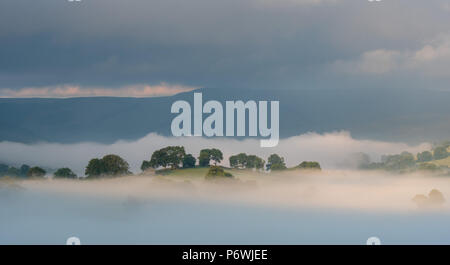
[
  {"x": 402, "y": 161},
  {"x": 64, "y": 173},
  {"x": 115, "y": 165},
  {"x": 175, "y": 155},
  {"x": 440, "y": 153},
  {"x": 436, "y": 197},
  {"x": 158, "y": 159},
  {"x": 169, "y": 156},
  {"x": 398, "y": 162},
  {"x": 206, "y": 155},
  {"x": 36, "y": 172},
  {"x": 254, "y": 161},
  {"x": 238, "y": 161},
  {"x": 204, "y": 158},
  {"x": 425, "y": 156},
  {"x": 6, "y": 170},
  {"x": 216, "y": 155},
  {"x": 189, "y": 161},
  {"x": 145, "y": 165},
  {"x": 309, "y": 165},
  {"x": 24, "y": 170},
  {"x": 109, "y": 165},
  {"x": 233, "y": 161},
  {"x": 361, "y": 160},
  {"x": 243, "y": 160},
  {"x": 13, "y": 172},
  {"x": 3, "y": 169},
  {"x": 95, "y": 168},
  {"x": 421, "y": 200},
  {"x": 275, "y": 162}
]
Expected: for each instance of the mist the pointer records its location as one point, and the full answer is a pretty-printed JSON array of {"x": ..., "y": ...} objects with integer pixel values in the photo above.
[
  {"x": 337, "y": 205},
  {"x": 296, "y": 207},
  {"x": 339, "y": 189}
]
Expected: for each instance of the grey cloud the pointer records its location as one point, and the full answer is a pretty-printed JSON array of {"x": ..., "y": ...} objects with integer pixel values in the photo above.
[
  {"x": 433, "y": 59},
  {"x": 255, "y": 43}
]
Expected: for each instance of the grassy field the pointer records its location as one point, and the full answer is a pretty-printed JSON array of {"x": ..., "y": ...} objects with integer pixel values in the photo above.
[
  {"x": 192, "y": 172},
  {"x": 441, "y": 162},
  {"x": 200, "y": 172}
]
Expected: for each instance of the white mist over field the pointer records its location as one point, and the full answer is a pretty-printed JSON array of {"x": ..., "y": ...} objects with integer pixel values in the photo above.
[
  {"x": 358, "y": 190},
  {"x": 332, "y": 150},
  {"x": 338, "y": 205},
  {"x": 295, "y": 207}
]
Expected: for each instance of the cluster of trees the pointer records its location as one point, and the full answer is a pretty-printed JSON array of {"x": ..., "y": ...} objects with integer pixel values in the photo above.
[
  {"x": 309, "y": 165},
  {"x": 438, "y": 153},
  {"x": 109, "y": 165},
  {"x": 434, "y": 198},
  {"x": 6, "y": 170},
  {"x": 22, "y": 172},
  {"x": 206, "y": 155},
  {"x": 425, "y": 156},
  {"x": 176, "y": 157},
  {"x": 189, "y": 161},
  {"x": 406, "y": 160},
  {"x": 275, "y": 162},
  {"x": 65, "y": 172},
  {"x": 393, "y": 162},
  {"x": 171, "y": 156},
  {"x": 401, "y": 161},
  {"x": 243, "y": 160},
  {"x": 34, "y": 172}
]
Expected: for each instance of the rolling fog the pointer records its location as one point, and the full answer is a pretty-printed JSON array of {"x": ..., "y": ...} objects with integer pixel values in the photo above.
[
  {"x": 339, "y": 205},
  {"x": 330, "y": 207}
]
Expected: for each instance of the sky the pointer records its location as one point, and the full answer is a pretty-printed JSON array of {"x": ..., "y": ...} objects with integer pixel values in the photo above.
[
  {"x": 149, "y": 48},
  {"x": 57, "y": 48}
]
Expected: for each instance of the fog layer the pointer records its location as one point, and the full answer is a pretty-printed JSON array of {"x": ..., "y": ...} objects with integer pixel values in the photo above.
[{"x": 341, "y": 207}]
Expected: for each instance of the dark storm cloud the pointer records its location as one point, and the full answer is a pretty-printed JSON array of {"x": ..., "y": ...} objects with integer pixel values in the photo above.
[{"x": 232, "y": 44}]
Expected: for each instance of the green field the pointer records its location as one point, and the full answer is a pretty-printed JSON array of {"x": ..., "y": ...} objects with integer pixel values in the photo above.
[
  {"x": 200, "y": 172},
  {"x": 441, "y": 162}
]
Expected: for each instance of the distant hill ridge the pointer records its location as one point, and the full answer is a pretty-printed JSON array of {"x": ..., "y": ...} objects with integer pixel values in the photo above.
[{"x": 384, "y": 115}]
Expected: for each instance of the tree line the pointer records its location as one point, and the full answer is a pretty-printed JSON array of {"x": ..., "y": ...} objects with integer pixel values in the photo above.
[
  {"x": 407, "y": 161},
  {"x": 25, "y": 171},
  {"x": 170, "y": 157}
]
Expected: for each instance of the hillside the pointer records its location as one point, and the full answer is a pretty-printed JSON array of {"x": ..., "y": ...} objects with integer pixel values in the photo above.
[
  {"x": 442, "y": 162},
  {"x": 106, "y": 120},
  {"x": 200, "y": 172}
]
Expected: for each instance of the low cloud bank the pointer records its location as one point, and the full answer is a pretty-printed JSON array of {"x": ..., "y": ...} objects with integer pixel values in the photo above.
[
  {"x": 333, "y": 150},
  {"x": 432, "y": 59},
  {"x": 67, "y": 91}
]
